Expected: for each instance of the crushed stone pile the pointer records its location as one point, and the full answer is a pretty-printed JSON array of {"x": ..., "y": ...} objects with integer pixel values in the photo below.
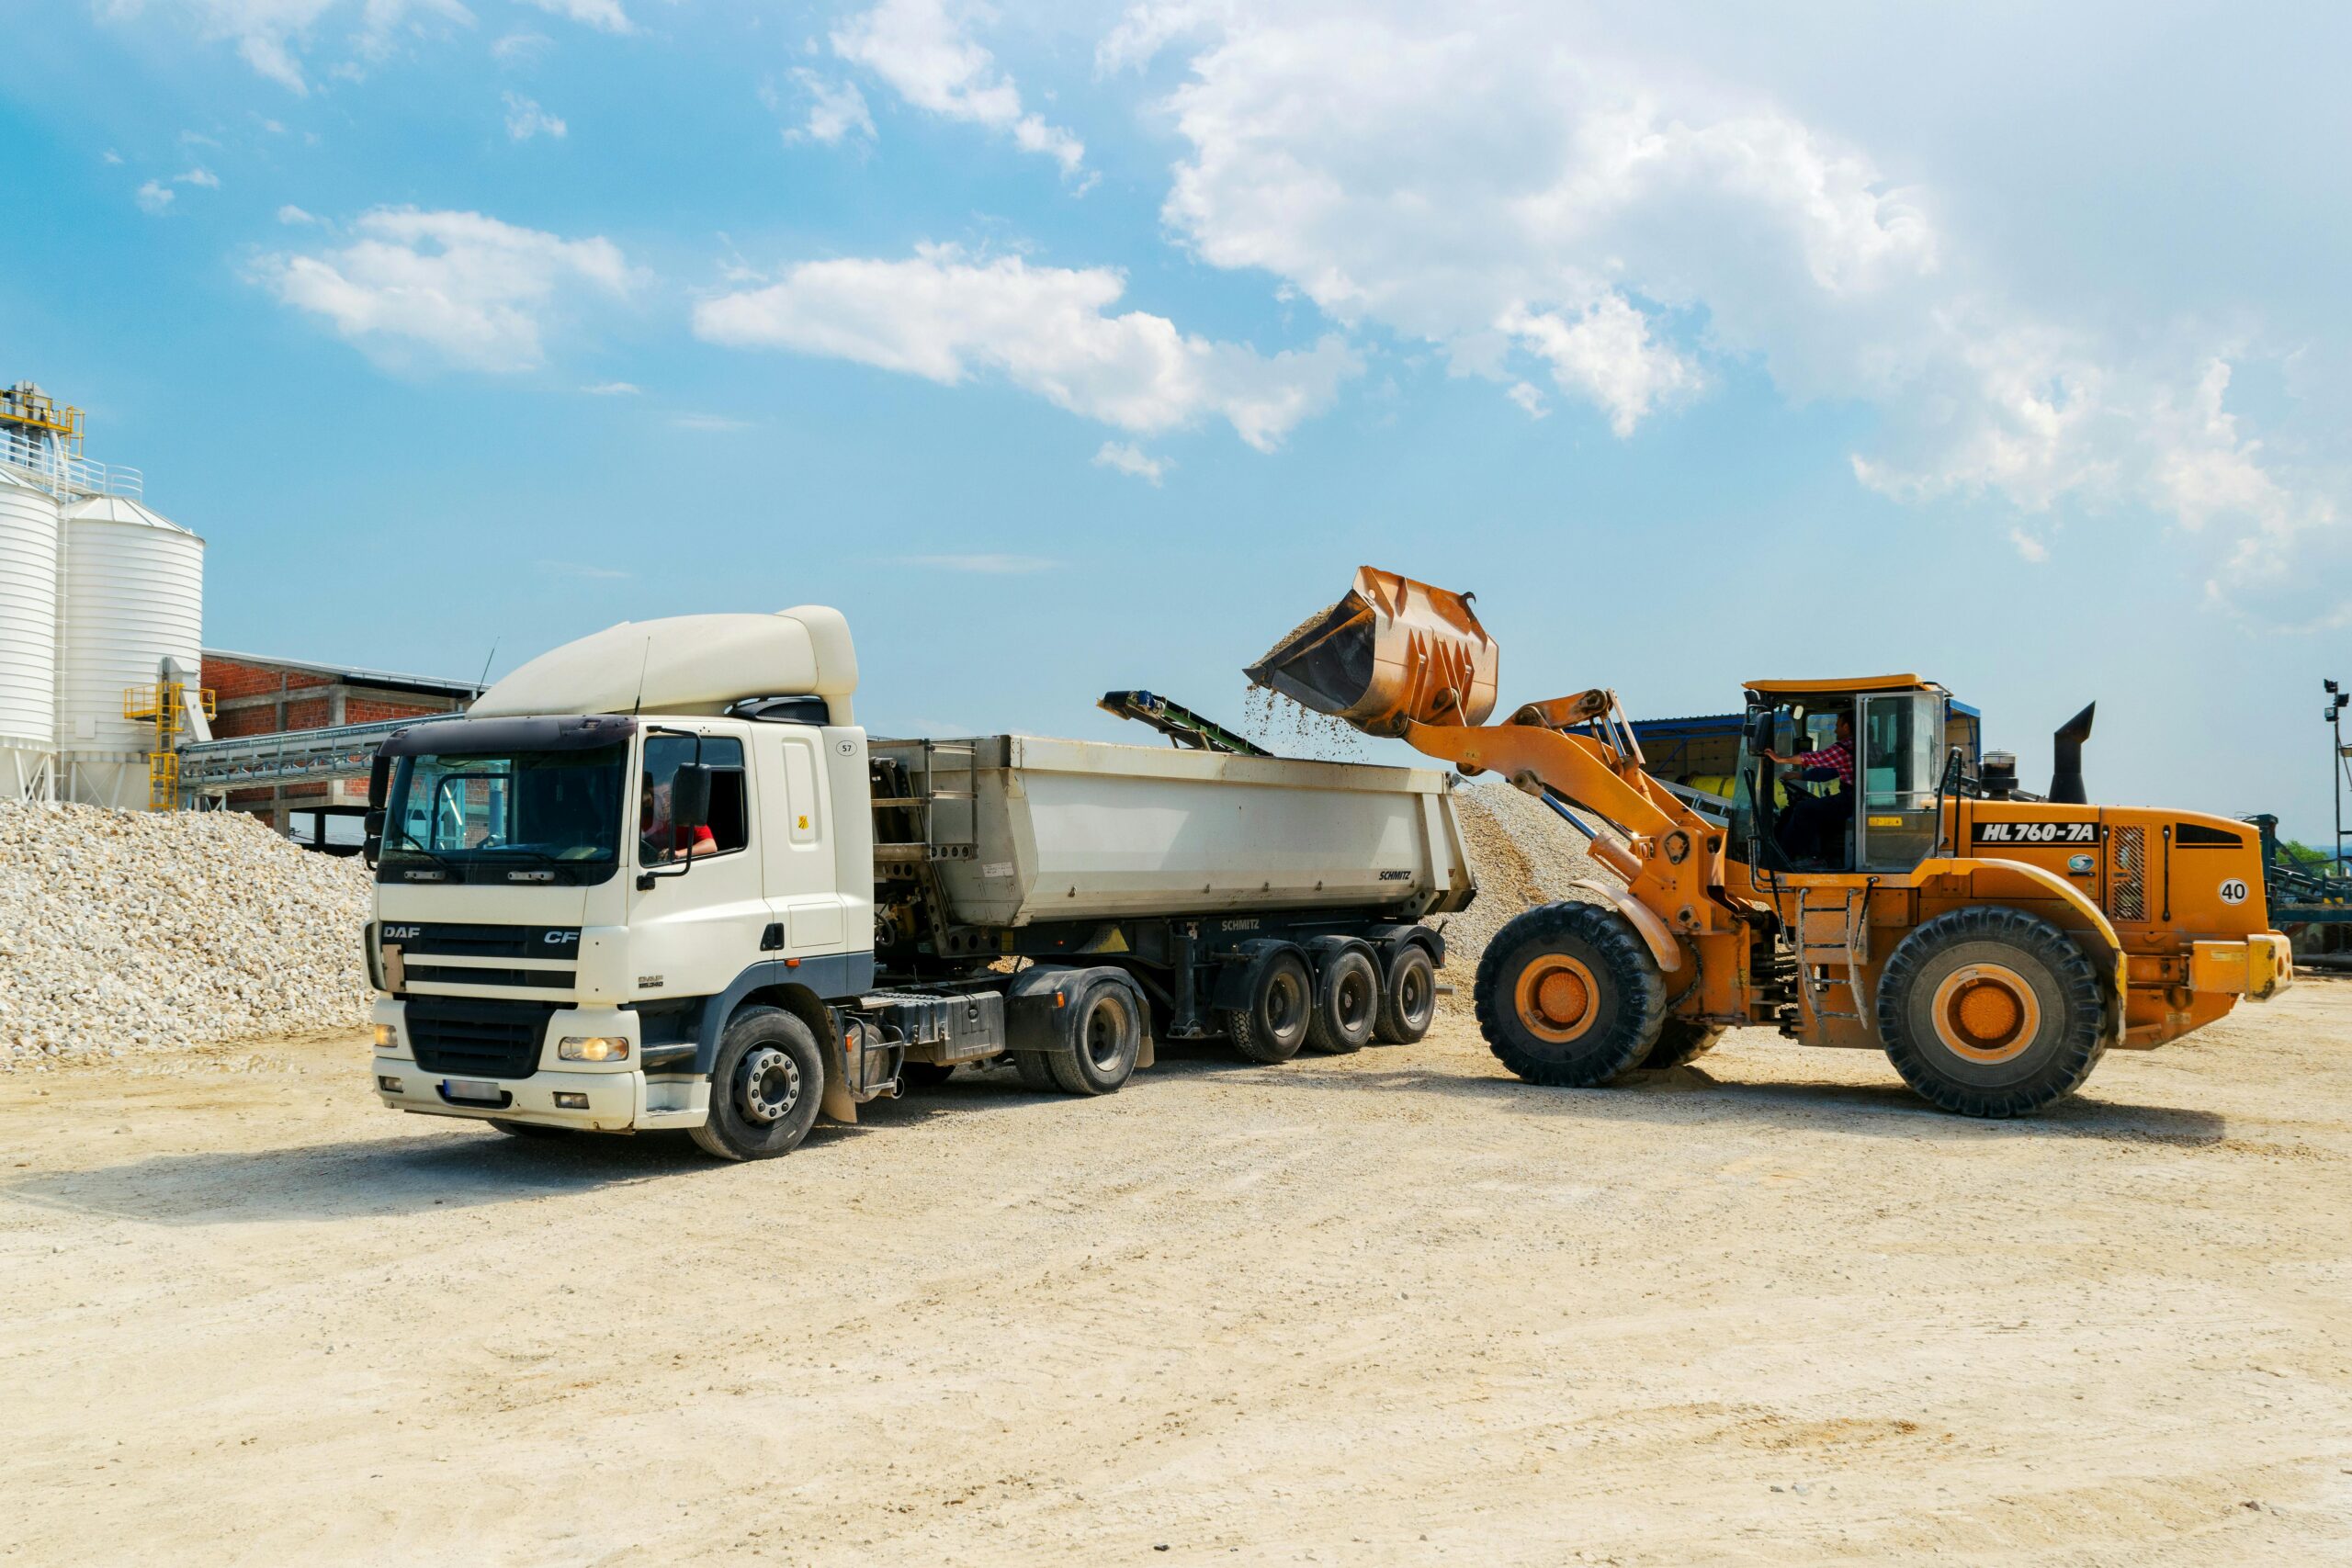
[
  {"x": 1524, "y": 856},
  {"x": 128, "y": 934}
]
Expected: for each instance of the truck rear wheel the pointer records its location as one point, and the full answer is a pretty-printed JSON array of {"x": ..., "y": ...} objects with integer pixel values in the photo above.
[
  {"x": 1273, "y": 1026},
  {"x": 1347, "y": 1004},
  {"x": 1681, "y": 1043},
  {"x": 1569, "y": 995},
  {"x": 764, "y": 1087},
  {"x": 1407, "y": 997},
  {"x": 1991, "y": 1011},
  {"x": 1106, "y": 1033}
]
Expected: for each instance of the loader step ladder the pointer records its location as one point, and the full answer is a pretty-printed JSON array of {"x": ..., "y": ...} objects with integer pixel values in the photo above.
[{"x": 1847, "y": 923}]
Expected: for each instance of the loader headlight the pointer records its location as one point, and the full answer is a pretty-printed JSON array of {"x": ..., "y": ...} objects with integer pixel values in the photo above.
[{"x": 593, "y": 1048}]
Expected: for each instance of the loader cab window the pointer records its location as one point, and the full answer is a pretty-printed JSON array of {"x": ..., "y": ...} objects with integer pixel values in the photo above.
[
  {"x": 1806, "y": 822},
  {"x": 660, "y": 841},
  {"x": 1901, "y": 751}
]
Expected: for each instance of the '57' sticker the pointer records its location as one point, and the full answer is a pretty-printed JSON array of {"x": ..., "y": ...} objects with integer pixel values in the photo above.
[{"x": 2037, "y": 833}]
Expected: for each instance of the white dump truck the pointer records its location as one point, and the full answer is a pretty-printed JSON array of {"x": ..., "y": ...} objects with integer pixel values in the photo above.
[{"x": 658, "y": 878}]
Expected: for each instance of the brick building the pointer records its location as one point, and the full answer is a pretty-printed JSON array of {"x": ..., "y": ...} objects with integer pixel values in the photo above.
[{"x": 267, "y": 696}]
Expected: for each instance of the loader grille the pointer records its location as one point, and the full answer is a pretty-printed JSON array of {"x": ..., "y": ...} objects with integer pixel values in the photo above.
[
  {"x": 2127, "y": 880},
  {"x": 476, "y": 1038}
]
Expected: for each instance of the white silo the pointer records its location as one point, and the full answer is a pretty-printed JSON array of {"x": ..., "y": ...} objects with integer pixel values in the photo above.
[
  {"x": 134, "y": 595},
  {"x": 29, "y": 552}
]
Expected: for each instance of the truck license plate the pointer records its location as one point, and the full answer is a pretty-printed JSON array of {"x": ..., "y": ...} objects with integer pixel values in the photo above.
[{"x": 475, "y": 1090}]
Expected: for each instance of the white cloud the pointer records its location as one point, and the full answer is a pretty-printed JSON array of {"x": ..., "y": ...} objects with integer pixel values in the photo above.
[
  {"x": 1129, "y": 458},
  {"x": 1506, "y": 184},
  {"x": 294, "y": 216},
  {"x": 613, "y": 390},
  {"x": 520, "y": 48},
  {"x": 945, "y": 317},
  {"x": 984, "y": 565},
  {"x": 835, "y": 109},
  {"x": 155, "y": 196},
  {"x": 605, "y": 16},
  {"x": 525, "y": 120},
  {"x": 271, "y": 35},
  {"x": 455, "y": 287},
  {"x": 928, "y": 56}
]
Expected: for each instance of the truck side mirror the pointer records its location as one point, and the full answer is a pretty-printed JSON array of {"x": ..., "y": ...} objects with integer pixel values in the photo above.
[{"x": 690, "y": 796}]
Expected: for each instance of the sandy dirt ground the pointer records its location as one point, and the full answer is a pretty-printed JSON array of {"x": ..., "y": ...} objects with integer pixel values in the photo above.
[{"x": 1395, "y": 1307}]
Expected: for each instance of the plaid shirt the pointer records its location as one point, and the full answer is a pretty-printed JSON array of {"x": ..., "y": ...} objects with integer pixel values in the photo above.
[{"x": 1839, "y": 756}]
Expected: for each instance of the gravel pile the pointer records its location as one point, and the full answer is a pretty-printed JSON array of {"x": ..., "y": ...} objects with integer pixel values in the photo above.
[
  {"x": 1525, "y": 855},
  {"x": 124, "y": 933}
]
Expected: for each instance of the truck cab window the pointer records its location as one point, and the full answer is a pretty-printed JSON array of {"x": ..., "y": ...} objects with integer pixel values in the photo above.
[{"x": 730, "y": 826}]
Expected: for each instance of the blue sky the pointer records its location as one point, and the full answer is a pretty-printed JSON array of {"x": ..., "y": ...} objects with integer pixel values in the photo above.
[{"x": 1075, "y": 347}]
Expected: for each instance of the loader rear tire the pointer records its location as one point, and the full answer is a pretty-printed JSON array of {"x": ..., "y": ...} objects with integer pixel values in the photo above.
[
  {"x": 1991, "y": 1011},
  {"x": 1273, "y": 1026},
  {"x": 1569, "y": 995},
  {"x": 1408, "y": 998},
  {"x": 1347, "y": 1004},
  {"x": 1679, "y": 1043}
]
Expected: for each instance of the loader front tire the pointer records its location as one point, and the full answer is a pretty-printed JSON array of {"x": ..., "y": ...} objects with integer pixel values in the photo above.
[
  {"x": 1679, "y": 1043},
  {"x": 1569, "y": 995},
  {"x": 1991, "y": 1011}
]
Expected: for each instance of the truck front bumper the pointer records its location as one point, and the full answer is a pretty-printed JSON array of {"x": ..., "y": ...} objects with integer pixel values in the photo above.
[{"x": 2257, "y": 968}]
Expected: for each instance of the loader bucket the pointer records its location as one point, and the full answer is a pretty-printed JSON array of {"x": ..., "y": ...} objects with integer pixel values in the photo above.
[{"x": 1394, "y": 651}]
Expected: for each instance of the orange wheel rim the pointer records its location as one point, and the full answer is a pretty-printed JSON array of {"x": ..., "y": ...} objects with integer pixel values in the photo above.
[
  {"x": 1987, "y": 1012},
  {"x": 1557, "y": 998}
]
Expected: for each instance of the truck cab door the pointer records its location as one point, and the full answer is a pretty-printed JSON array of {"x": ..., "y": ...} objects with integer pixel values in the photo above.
[
  {"x": 695, "y": 922},
  {"x": 803, "y": 885}
]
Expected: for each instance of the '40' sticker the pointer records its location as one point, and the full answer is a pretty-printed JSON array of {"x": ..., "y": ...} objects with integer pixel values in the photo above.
[{"x": 2037, "y": 832}]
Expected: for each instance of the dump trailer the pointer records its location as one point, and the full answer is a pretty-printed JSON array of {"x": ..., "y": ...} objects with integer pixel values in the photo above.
[
  {"x": 1868, "y": 889},
  {"x": 660, "y": 878}
]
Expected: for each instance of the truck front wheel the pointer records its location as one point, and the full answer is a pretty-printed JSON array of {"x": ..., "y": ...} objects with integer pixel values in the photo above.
[{"x": 764, "y": 1087}]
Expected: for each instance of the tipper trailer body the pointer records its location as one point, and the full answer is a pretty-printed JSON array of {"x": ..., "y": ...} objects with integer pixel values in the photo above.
[{"x": 658, "y": 878}]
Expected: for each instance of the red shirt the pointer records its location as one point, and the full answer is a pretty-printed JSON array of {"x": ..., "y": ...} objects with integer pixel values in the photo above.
[{"x": 1839, "y": 756}]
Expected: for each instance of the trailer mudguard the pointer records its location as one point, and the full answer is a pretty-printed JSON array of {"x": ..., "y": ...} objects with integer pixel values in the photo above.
[{"x": 1036, "y": 1003}]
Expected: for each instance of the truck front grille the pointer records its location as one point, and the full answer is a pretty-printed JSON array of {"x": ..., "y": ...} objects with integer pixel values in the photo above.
[{"x": 468, "y": 1036}]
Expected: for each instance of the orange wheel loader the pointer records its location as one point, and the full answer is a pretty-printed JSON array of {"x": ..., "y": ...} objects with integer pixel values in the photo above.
[{"x": 1993, "y": 944}]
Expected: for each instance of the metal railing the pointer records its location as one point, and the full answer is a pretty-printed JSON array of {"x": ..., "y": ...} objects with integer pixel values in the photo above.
[{"x": 41, "y": 460}]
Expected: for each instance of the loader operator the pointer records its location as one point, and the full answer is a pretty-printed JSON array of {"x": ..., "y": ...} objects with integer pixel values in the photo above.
[{"x": 1813, "y": 825}]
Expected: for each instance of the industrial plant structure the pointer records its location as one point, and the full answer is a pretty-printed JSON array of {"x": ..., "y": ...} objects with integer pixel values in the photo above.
[{"x": 101, "y": 620}]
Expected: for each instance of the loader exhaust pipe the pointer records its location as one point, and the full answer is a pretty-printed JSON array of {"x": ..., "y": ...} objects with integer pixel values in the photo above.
[
  {"x": 1392, "y": 652},
  {"x": 2066, "y": 786}
]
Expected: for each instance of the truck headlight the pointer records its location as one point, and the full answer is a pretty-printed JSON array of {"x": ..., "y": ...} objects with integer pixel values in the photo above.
[
  {"x": 387, "y": 1037},
  {"x": 593, "y": 1048}
]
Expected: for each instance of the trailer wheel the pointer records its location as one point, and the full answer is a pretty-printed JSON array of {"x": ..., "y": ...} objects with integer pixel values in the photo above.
[
  {"x": 1569, "y": 995},
  {"x": 528, "y": 1129},
  {"x": 1681, "y": 1043},
  {"x": 1991, "y": 1011},
  {"x": 764, "y": 1087},
  {"x": 1282, "y": 998},
  {"x": 1105, "y": 1032},
  {"x": 1407, "y": 997},
  {"x": 1347, "y": 1003}
]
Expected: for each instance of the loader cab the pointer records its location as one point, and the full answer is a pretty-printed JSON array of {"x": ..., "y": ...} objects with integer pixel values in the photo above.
[{"x": 1887, "y": 819}]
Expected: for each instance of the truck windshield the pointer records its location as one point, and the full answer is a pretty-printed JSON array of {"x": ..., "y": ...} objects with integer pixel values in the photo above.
[{"x": 514, "y": 816}]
